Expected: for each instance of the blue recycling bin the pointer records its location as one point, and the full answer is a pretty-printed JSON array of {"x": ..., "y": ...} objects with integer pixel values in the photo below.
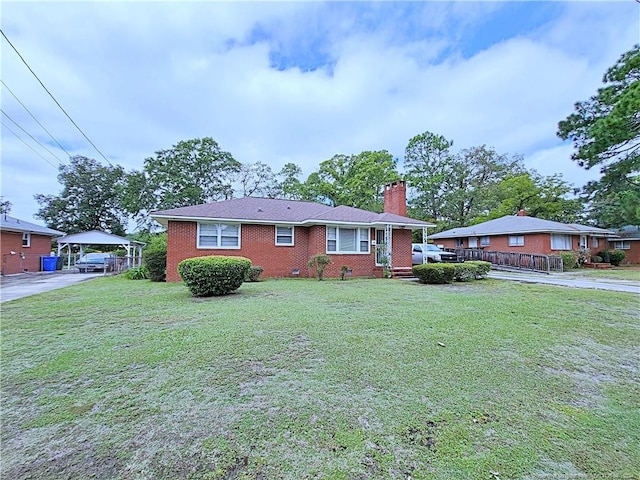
[{"x": 49, "y": 264}]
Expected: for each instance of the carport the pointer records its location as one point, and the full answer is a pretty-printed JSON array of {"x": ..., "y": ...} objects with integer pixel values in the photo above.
[{"x": 96, "y": 237}]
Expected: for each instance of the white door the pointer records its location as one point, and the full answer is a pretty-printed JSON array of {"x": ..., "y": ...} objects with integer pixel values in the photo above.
[{"x": 583, "y": 241}]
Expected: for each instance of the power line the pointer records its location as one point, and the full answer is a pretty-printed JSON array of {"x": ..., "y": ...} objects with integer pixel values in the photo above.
[
  {"x": 54, "y": 98},
  {"x": 32, "y": 137},
  {"x": 22, "y": 140},
  {"x": 33, "y": 116}
]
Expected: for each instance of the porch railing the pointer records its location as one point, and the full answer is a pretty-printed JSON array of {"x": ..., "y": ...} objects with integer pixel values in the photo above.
[{"x": 521, "y": 261}]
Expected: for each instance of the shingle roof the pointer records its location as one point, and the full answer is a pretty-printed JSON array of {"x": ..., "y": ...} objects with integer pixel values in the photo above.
[
  {"x": 12, "y": 224},
  {"x": 268, "y": 210},
  {"x": 514, "y": 224}
]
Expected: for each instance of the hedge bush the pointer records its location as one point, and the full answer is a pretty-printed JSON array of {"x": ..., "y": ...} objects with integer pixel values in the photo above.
[
  {"x": 482, "y": 268},
  {"x": 435, "y": 272},
  {"x": 214, "y": 274},
  {"x": 569, "y": 260},
  {"x": 465, "y": 272},
  {"x": 614, "y": 257},
  {"x": 154, "y": 257},
  {"x": 253, "y": 274}
]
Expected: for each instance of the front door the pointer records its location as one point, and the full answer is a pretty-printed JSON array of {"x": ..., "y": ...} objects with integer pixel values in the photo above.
[{"x": 583, "y": 241}]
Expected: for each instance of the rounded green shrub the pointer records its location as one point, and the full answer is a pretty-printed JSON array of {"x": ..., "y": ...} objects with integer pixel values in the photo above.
[
  {"x": 596, "y": 259},
  {"x": 154, "y": 257},
  {"x": 465, "y": 272},
  {"x": 253, "y": 274},
  {"x": 482, "y": 268},
  {"x": 616, "y": 257},
  {"x": 137, "y": 273},
  {"x": 435, "y": 272},
  {"x": 569, "y": 260},
  {"x": 214, "y": 274}
]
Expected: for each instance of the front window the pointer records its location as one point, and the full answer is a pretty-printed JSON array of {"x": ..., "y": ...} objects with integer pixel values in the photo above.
[
  {"x": 459, "y": 242},
  {"x": 347, "y": 240},
  {"x": 595, "y": 243},
  {"x": 622, "y": 245},
  {"x": 218, "y": 235},
  {"x": 560, "y": 242},
  {"x": 484, "y": 241},
  {"x": 26, "y": 239},
  {"x": 516, "y": 240},
  {"x": 284, "y": 235}
]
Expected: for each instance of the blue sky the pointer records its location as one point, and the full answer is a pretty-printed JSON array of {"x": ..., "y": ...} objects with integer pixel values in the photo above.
[{"x": 299, "y": 82}]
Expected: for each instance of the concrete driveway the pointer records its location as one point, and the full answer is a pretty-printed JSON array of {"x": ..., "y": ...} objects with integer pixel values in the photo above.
[
  {"x": 25, "y": 284},
  {"x": 569, "y": 280}
]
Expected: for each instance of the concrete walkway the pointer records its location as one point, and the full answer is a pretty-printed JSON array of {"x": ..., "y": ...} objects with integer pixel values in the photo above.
[
  {"x": 569, "y": 280},
  {"x": 26, "y": 284}
]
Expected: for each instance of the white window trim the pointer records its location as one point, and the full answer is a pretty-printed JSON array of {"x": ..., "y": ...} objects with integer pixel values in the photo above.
[
  {"x": 357, "y": 241},
  {"x": 26, "y": 236},
  {"x": 622, "y": 244},
  {"x": 514, "y": 240},
  {"x": 485, "y": 241},
  {"x": 207, "y": 247},
  {"x": 293, "y": 233},
  {"x": 561, "y": 235}
]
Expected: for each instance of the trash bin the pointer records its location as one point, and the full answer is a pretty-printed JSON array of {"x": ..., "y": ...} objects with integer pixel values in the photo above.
[{"x": 49, "y": 264}]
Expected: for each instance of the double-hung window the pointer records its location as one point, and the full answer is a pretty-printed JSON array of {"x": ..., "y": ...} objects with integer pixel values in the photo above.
[
  {"x": 516, "y": 240},
  {"x": 218, "y": 235},
  {"x": 560, "y": 242},
  {"x": 622, "y": 245},
  {"x": 284, "y": 235},
  {"x": 484, "y": 241},
  {"x": 347, "y": 240},
  {"x": 26, "y": 239}
]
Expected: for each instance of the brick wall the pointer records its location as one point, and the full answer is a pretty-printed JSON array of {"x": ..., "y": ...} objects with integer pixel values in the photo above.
[
  {"x": 632, "y": 255},
  {"x": 258, "y": 244},
  {"x": 533, "y": 243},
  {"x": 12, "y": 241}
]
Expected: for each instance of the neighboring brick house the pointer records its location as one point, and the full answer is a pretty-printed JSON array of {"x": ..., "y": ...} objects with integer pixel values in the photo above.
[
  {"x": 23, "y": 244},
  {"x": 523, "y": 234},
  {"x": 281, "y": 235},
  {"x": 627, "y": 240}
]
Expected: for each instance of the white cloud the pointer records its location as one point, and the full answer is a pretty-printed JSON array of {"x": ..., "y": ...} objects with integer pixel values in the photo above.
[{"x": 139, "y": 77}]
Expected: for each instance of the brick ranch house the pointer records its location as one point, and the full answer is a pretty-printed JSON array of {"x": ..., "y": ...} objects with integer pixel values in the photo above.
[
  {"x": 523, "y": 234},
  {"x": 23, "y": 244},
  {"x": 627, "y": 240},
  {"x": 281, "y": 235}
]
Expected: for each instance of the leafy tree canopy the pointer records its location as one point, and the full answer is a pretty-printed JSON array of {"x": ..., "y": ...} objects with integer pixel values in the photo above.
[
  {"x": 90, "y": 199},
  {"x": 5, "y": 206},
  {"x": 191, "y": 172},
  {"x": 353, "y": 180},
  {"x": 605, "y": 131}
]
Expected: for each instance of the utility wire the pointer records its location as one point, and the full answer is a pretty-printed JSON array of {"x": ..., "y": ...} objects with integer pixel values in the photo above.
[
  {"x": 32, "y": 137},
  {"x": 22, "y": 140},
  {"x": 54, "y": 98},
  {"x": 33, "y": 116}
]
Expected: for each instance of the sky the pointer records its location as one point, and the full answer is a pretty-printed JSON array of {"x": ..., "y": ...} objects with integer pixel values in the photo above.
[{"x": 280, "y": 82}]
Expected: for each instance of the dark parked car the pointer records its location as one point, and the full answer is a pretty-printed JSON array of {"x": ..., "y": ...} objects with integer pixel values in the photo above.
[
  {"x": 433, "y": 253},
  {"x": 92, "y": 262}
]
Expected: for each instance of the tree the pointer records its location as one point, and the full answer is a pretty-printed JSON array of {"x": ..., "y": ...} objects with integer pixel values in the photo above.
[
  {"x": 258, "y": 180},
  {"x": 540, "y": 197},
  {"x": 290, "y": 186},
  {"x": 428, "y": 164},
  {"x": 605, "y": 131},
  {"x": 90, "y": 198},
  {"x": 190, "y": 173},
  {"x": 352, "y": 180},
  {"x": 5, "y": 206}
]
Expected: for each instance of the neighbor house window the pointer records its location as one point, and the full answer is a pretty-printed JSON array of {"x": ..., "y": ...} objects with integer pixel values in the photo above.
[
  {"x": 218, "y": 235},
  {"x": 284, "y": 235},
  {"x": 347, "y": 240},
  {"x": 622, "y": 245},
  {"x": 484, "y": 241},
  {"x": 516, "y": 240},
  {"x": 26, "y": 239},
  {"x": 560, "y": 242},
  {"x": 459, "y": 242}
]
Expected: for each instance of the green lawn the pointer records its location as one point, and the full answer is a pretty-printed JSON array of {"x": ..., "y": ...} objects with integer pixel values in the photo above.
[
  {"x": 298, "y": 379},
  {"x": 631, "y": 273}
]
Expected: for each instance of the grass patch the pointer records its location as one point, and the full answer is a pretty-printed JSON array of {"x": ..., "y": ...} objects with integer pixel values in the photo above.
[
  {"x": 304, "y": 379},
  {"x": 631, "y": 273}
]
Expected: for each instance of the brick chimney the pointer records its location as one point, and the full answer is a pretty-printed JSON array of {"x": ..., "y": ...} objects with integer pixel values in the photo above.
[
  {"x": 395, "y": 198},
  {"x": 521, "y": 213}
]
